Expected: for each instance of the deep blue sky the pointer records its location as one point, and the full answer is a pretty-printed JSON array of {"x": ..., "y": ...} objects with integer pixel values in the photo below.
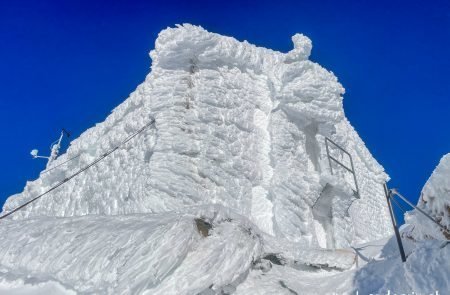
[{"x": 69, "y": 63}]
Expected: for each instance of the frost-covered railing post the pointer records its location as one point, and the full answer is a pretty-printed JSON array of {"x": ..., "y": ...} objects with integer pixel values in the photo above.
[{"x": 331, "y": 158}]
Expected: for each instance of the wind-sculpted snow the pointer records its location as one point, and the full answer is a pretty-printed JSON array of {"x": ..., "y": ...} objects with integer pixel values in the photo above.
[
  {"x": 98, "y": 253},
  {"x": 435, "y": 200},
  {"x": 146, "y": 253}
]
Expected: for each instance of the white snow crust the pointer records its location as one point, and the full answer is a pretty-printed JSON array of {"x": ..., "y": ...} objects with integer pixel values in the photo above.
[
  {"x": 147, "y": 253},
  {"x": 239, "y": 141}
]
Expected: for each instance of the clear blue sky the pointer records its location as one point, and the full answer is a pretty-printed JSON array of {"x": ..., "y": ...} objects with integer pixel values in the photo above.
[{"x": 69, "y": 63}]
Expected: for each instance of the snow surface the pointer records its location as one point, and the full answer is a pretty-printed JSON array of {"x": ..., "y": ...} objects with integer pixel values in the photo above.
[
  {"x": 238, "y": 141},
  {"x": 148, "y": 253}
]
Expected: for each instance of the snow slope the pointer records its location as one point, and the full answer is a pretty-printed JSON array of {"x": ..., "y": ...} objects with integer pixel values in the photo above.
[
  {"x": 147, "y": 253},
  {"x": 426, "y": 270},
  {"x": 238, "y": 141}
]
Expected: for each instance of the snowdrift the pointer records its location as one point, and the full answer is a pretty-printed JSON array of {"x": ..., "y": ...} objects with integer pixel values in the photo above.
[
  {"x": 149, "y": 253},
  {"x": 426, "y": 270}
]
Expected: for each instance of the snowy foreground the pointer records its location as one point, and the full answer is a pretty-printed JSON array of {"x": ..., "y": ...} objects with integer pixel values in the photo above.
[
  {"x": 230, "y": 191},
  {"x": 166, "y": 254}
]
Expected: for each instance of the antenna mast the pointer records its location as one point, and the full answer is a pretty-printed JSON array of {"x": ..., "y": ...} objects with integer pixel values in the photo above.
[{"x": 54, "y": 149}]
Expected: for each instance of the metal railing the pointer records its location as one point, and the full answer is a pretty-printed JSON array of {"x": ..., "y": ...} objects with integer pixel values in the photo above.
[
  {"x": 349, "y": 169},
  {"x": 390, "y": 194}
]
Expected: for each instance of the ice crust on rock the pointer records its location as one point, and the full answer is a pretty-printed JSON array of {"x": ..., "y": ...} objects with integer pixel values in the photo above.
[{"x": 236, "y": 126}]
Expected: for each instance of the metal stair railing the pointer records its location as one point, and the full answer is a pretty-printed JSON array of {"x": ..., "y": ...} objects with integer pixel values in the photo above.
[{"x": 351, "y": 169}]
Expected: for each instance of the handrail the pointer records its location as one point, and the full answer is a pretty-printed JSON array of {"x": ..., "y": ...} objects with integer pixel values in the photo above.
[
  {"x": 390, "y": 193},
  {"x": 351, "y": 170},
  {"x": 93, "y": 163},
  {"x": 394, "y": 191}
]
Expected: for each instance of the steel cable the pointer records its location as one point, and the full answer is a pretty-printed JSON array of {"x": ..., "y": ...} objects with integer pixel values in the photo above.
[{"x": 103, "y": 156}]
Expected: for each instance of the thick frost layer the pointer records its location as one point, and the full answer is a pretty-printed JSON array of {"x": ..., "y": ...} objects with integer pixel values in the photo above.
[
  {"x": 127, "y": 254},
  {"x": 147, "y": 253},
  {"x": 21, "y": 287},
  {"x": 236, "y": 125},
  {"x": 435, "y": 200}
]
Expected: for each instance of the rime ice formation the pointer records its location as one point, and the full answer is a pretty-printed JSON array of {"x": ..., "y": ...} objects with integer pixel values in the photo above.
[
  {"x": 238, "y": 129},
  {"x": 154, "y": 253},
  {"x": 434, "y": 199},
  {"x": 236, "y": 125}
]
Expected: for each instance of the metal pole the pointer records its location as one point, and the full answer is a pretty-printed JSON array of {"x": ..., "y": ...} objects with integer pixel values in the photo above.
[
  {"x": 354, "y": 177},
  {"x": 394, "y": 223},
  {"x": 328, "y": 154}
]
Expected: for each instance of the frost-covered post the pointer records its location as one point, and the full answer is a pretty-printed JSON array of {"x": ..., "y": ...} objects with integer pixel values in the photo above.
[{"x": 190, "y": 81}]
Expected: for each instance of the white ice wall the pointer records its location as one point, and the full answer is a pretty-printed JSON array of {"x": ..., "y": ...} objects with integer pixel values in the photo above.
[
  {"x": 369, "y": 214},
  {"x": 236, "y": 125}
]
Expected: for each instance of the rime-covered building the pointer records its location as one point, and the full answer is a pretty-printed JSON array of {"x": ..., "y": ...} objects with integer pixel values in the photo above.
[{"x": 238, "y": 126}]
